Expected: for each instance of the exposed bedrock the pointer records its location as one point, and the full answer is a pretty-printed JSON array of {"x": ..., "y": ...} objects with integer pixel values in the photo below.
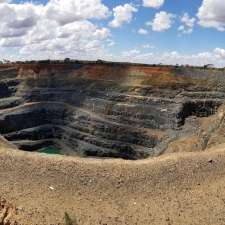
[{"x": 120, "y": 111}]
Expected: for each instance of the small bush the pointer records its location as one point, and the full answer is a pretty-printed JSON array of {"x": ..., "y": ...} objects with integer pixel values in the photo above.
[{"x": 68, "y": 220}]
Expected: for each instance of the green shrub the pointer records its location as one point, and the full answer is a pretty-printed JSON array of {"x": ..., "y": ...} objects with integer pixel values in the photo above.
[{"x": 68, "y": 220}]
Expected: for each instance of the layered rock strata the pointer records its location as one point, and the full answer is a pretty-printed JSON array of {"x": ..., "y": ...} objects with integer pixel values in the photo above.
[{"x": 105, "y": 110}]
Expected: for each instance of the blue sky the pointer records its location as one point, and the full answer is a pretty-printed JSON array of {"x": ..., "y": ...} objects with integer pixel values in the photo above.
[
  {"x": 201, "y": 39},
  {"x": 150, "y": 31}
]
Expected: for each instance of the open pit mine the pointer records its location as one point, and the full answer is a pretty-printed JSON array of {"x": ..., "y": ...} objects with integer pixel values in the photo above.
[
  {"x": 107, "y": 110},
  {"x": 95, "y": 112}
]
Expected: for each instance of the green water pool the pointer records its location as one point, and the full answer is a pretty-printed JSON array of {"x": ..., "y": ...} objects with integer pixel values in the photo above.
[{"x": 50, "y": 150}]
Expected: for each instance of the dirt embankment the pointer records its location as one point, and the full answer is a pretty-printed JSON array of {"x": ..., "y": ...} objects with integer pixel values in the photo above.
[{"x": 175, "y": 189}]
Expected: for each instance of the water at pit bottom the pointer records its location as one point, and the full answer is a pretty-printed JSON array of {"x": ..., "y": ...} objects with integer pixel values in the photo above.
[{"x": 50, "y": 150}]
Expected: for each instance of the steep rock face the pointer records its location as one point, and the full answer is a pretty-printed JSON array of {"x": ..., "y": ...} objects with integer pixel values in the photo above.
[{"x": 105, "y": 110}]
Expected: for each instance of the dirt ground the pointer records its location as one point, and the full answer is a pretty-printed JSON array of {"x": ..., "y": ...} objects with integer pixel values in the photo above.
[{"x": 179, "y": 188}]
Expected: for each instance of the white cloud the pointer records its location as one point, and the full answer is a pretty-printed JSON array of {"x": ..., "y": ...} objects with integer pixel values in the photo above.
[
  {"x": 153, "y": 3},
  {"x": 3, "y": 1},
  {"x": 110, "y": 43},
  {"x": 80, "y": 39},
  {"x": 216, "y": 57},
  {"x": 72, "y": 10},
  {"x": 122, "y": 14},
  {"x": 57, "y": 29},
  {"x": 220, "y": 52},
  {"x": 212, "y": 14},
  {"x": 128, "y": 55},
  {"x": 147, "y": 46},
  {"x": 17, "y": 20},
  {"x": 187, "y": 24},
  {"x": 142, "y": 31},
  {"x": 12, "y": 42},
  {"x": 162, "y": 21}
]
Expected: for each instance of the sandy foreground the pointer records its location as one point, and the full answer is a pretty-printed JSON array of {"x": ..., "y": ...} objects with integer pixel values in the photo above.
[{"x": 187, "y": 188}]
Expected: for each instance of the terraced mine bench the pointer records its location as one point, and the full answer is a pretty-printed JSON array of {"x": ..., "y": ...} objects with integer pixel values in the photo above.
[{"x": 105, "y": 110}]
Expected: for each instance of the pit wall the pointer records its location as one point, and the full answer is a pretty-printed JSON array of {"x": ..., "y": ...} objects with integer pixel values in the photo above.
[
  {"x": 115, "y": 109},
  {"x": 90, "y": 71},
  {"x": 133, "y": 75}
]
